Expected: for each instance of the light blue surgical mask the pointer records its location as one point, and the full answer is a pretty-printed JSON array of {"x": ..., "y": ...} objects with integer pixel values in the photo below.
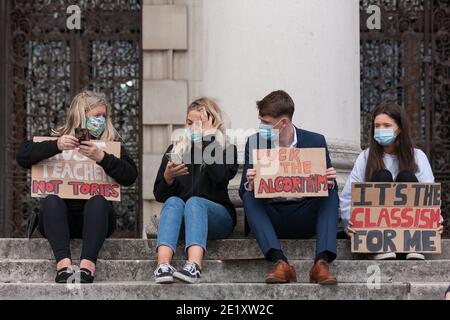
[
  {"x": 385, "y": 137},
  {"x": 194, "y": 136},
  {"x": 268, "y": 132},
  {"x": 96, "y": 125}
]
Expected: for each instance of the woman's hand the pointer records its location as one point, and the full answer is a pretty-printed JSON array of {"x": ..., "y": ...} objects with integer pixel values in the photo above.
[
  {"x": 173, "y": 171},
  {"x": 350, "y": 230},
  {"x": 208, "y": 125},
  {"x": 90, "y": 150},
  {"x": 67, "y": 143},
  {"x": 331, "y": 176},
  {"x": 251, "y": 173}
]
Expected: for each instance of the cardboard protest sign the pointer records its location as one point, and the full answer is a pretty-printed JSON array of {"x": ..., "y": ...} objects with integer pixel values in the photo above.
[
  {"x": 71, "y": 175},
  {"x": 396, "y": 217},
  {"x": 290, "y": 173}
]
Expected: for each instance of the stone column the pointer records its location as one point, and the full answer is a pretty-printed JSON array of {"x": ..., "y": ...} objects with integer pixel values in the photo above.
[
  {"x": 308, "y": 48},
  {"x": 237, "y": 51}
]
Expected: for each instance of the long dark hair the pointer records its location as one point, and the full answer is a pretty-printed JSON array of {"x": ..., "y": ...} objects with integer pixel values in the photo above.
[{"x": 404, "y": 143}]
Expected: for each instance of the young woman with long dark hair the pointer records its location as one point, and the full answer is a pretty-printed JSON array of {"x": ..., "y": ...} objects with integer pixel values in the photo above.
[{"x": 391, "y": 156}]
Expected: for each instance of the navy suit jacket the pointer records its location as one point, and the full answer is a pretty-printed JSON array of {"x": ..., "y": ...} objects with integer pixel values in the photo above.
[{"x": 305, "y": 139}]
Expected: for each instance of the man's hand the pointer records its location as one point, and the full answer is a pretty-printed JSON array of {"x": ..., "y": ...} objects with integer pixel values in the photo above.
[
  {"x": 441, "y": 229},
  {"x": 90, "y": 150},
  {"x": 331, "y": 176},
  {"x": 251, "y": 173}
]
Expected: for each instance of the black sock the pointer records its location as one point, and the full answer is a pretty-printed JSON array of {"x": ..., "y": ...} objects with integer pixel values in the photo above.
[
  {"x": 275, "y": 255},
  {"x": 326, "y": 256}
]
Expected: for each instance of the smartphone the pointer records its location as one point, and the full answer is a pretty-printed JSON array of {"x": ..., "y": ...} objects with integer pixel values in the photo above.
[
  {"x": 82, "y": 134},
  {"x": 174, "y": 157}
]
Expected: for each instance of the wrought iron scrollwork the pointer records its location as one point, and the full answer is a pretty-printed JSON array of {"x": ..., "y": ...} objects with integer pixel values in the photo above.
[
  {"x": 49, "y": 64},
  {"x": 408, "y": 61}
]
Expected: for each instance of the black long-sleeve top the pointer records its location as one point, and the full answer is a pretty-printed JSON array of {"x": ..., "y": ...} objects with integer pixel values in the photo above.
[
  {"x": 209, "y": 181},
  {"x": 123, "y": 170}
]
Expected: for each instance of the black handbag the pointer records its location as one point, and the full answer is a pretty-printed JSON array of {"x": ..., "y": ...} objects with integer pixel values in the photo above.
[{"x": 33, "y": 222}]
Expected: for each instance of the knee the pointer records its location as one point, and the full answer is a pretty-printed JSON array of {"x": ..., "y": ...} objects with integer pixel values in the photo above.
[
  {"x": 249, "y": 199},
  {"x": 194, "y": 204},
  {"x": 195, "y": 201},
  {"x": 174, "y": 202},
  {"x": 406, "y": 176},
  {"x": 51, "y": 205},
  {"x": 52, "y": 200},
  {"x": 173, "y": 206},
  {"x": 382, "y": 176},
  {"x": 97, "y": 206},
  {"x": 98, "y": 202}
]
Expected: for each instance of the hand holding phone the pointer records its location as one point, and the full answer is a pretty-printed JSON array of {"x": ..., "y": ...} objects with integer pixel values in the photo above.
[
  {"x": 174, "y": 170},
  {"x": 174, "y": 158},
  {"x": 82, "y": 134}
]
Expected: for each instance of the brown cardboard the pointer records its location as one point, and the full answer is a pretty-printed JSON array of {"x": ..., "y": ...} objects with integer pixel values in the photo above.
[
  {"x": 397, "y": 217},
  {"x": 73, "y": 176},
  {"x": 290, "y": 172}
]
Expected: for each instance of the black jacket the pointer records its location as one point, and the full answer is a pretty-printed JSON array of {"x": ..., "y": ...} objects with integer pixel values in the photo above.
[
  {"x": 123, "y": 170},
  {"x": 209, "y": 181}
]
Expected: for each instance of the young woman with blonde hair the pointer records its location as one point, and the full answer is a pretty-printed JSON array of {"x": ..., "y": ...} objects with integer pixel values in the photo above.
[
  {"x": 192, "y": 183},
  {"x": 92, "y": 220}
]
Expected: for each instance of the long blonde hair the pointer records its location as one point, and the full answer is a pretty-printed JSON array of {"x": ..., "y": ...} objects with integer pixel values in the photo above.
[
  {"x": 81, "y": 104},
  {"x": 183, "y": 145}
]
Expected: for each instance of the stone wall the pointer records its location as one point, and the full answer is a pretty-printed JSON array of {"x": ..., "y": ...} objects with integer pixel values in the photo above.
[{"x": 238, "y": 51}]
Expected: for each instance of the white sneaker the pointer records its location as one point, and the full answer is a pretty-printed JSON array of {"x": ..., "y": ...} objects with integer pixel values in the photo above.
[
  {"x": 385, "y": 256},
  {"x": 190, "y": 273},
  {"x": 415, "y": 256},
  {"x": 164, "y": 274}
]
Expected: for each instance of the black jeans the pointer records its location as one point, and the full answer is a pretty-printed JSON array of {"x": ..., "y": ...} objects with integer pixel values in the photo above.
[
  {"x": 60, "y": 220},
  {"x": 386, "y": 176}
]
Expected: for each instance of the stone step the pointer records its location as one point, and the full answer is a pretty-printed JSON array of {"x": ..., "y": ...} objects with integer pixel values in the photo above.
[
  {"x": 233, "y": 192},
  {"x": 242, "y": 249},
  {"x": 113, "y": 249},
  {"x": 141, "y": 249},
  {"x": 428, "y": 291},
  {"x": 244, "y": 271},
  {"x": 151, "y": 291}
]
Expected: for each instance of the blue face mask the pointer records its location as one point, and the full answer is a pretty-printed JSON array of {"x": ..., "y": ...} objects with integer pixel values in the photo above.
[
  {"x": 194, "y": 136},
  {"x": 268, "y": 132},
  {"x": 96, "y": 125},
  {"x": 385, "y": 137}
]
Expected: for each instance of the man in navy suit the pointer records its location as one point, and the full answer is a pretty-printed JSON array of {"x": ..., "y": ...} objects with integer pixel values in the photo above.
[{"x": 286, "y": 218}]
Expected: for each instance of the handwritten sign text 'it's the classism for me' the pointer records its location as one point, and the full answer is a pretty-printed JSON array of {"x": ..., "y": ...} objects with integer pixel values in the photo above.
[{"x": 396, "y": 217}]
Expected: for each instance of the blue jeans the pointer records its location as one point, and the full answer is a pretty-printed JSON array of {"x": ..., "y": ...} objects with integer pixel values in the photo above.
[{"x": 202, "y": 219}]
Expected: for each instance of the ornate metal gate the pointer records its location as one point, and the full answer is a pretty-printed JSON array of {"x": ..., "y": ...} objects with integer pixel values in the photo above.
[
  {"x": 408, "y": 61},
  {"x": 47, "y": 64}
]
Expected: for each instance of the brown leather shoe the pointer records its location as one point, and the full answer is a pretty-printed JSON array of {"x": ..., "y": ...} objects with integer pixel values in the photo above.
[
  {"x": 320, "y": 273},
  {"x": 283, "y": 273}
]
